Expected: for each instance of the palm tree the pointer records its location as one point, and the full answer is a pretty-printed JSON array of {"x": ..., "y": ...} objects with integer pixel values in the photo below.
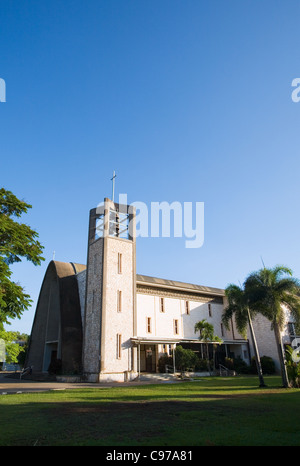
[
  {"x": 270, "y": 290},
  {"x": 215, "y": 342},
  {"x": 238, "y": 306},
  {"x": 207, "y": 335}
]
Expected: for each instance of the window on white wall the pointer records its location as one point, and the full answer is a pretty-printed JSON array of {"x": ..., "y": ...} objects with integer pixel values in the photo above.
[
  {"x": 149, "y": 325},
  {"x": 162, "y": 304},
  {"x": 209, "y": 310},
  {"x": 119, "y": 345},
  {"x": 176, "y": 328},
  {"x": 187, "y": 307},
  {"x": 119, "y": 298},
  {"x": 119, "y": 262}
]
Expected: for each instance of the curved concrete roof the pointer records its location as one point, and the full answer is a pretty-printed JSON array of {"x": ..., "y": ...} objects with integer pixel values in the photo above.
[{"x": 59, "y": 296}]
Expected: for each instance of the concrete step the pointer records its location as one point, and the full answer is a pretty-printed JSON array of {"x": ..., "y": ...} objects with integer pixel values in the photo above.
[
  {"x": 35, "y": 376},
  {"x": 149, "y": 376}
]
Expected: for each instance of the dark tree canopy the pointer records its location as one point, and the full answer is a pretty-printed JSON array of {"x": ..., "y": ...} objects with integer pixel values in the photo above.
[{"x": 17, "y": 241}]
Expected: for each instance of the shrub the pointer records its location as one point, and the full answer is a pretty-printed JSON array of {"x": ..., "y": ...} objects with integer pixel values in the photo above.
[
  {"x": 240, "y": 366},
  {"x": 267, "y": 365},
  {"x": 201, "y": 365},
  {"x": 229, "y": 363},
  {"x": 293, "y": 368},
  {"x": 185, "y": 358},
  {"x": 163, "y": 361}
]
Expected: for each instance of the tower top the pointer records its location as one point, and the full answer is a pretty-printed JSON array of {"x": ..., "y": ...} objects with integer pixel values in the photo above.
[
  {"x": 112, "y": 219},
  {"x": 113, "y": 186}
]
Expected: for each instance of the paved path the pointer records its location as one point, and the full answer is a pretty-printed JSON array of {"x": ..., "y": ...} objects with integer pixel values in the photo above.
[{"x": 10, "y": 385}]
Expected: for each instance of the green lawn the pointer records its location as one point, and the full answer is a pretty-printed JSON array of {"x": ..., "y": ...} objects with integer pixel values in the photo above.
[{"x": 210, "y": 411}]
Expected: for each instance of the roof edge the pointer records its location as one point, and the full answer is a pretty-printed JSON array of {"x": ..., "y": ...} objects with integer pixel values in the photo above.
[{"x": 173, "y": 284}]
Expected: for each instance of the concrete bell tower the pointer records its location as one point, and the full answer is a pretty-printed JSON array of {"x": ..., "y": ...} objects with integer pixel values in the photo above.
[{"x": 110, "y": 306}]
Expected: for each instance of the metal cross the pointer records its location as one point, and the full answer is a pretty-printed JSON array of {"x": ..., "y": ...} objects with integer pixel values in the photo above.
[{"x": 113, "y": 186}]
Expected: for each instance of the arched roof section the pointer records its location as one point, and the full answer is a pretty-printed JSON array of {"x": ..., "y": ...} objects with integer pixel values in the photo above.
[{"x": 58, "y": 318}]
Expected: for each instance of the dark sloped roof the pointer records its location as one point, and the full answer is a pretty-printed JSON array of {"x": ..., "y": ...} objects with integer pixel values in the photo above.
[
  {"x": 70, "y": 268},
  {"x": 172, "y": 284}
]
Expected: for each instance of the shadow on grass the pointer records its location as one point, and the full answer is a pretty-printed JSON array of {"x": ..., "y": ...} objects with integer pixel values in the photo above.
[{"x": 153, "y": 415}]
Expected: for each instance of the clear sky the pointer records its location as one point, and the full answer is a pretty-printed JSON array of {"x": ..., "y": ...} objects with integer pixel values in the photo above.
[{"x": 188, "y": 101}]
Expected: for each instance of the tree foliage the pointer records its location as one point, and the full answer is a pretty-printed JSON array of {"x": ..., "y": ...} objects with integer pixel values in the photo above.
[
  {"x": 293, "y": 368},
  {"x": 239, "y": 307},
  {"x": 17, "y": 241},
  {"x": 270, "y": 292},
  {"x": 206, "y": 331},
  {"x": 12, "y": 348},
  {"x": 185, "y": 358}
]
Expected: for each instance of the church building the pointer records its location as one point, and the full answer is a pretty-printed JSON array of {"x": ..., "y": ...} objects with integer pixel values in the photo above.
[{"x": 105, "y": 322}]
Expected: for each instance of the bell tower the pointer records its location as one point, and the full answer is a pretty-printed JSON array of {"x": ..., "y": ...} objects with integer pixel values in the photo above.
[{"x": 110, "y": 303}]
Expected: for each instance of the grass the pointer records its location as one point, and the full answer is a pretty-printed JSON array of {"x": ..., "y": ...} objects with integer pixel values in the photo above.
[{"x": 210, "y": 411}]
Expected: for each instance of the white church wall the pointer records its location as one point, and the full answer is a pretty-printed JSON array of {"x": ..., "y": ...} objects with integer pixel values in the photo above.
[
  {"x": 209, "y": 311},
  {"x": 163, "y": 323},
  {"x": 265, "y": 339},
  {"x": 168, "y": 323}
]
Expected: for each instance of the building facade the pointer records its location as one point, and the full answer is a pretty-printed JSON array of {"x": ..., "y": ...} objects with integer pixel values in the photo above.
[{"x": 108, "y": 323}]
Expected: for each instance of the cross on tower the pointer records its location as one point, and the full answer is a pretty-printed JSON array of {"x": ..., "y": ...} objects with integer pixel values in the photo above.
[{"x": 113, "y": 186}]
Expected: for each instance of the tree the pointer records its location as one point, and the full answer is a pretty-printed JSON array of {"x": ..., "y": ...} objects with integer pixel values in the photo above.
[
  {"x": 207, "y": 336},
  {"x": 293, "y": 367},
  {"x": 185, "y": 358},
  {"x": 270, "y": 291},
  {"x": 238, "y": 306},
  {"x": 17, "y": 241},
  {"x": 12, "y": 349}
]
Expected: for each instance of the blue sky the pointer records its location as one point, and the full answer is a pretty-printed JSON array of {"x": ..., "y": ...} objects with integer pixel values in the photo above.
[{"x": 188, "y": 101}]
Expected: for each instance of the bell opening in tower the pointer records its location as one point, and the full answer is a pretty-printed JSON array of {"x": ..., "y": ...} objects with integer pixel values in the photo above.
[{"x": 119, "y": 224}]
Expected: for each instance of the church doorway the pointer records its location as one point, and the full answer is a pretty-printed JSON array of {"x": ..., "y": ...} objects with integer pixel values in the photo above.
[
  {"x": 50, "y": 354},
  {"x": 148, "y": 358}
]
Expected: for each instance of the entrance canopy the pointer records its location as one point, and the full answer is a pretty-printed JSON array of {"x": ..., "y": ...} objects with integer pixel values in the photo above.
[
  {"x": 155, "y": 341},
  {"x": 142, "y": 343},
  {"x": 174, "y": 341}
]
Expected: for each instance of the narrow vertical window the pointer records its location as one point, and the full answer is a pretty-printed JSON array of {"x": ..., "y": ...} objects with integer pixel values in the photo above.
[
  {"x": 187, "y": 307},
  {"x": 222, "y": 330},
  {"x": 176, "y": 326},
  {"x": 148, "y": 324},
  {"x": 119, "y": 298},
  {"x": 119, "y": 345},
  {"x": 119, "y": 262},
  {"x": 94, "y": 301},
  {"x": 96, "y": 267},
  {"x": 162, "y": 305},
  {"x": 209, "y": 310}
]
